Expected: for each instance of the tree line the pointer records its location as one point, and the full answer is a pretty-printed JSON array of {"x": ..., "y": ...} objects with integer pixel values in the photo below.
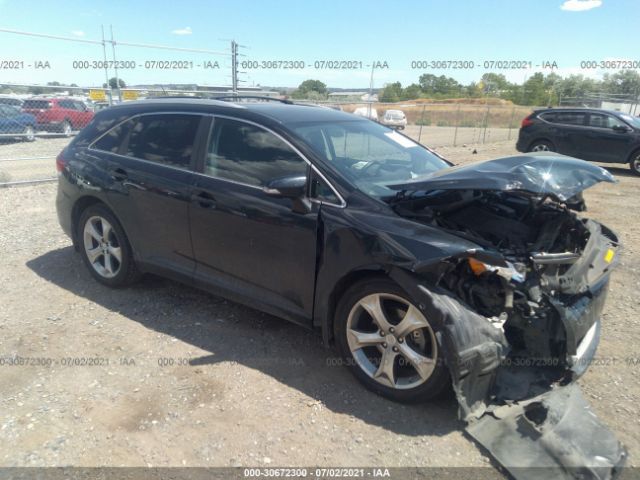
[{"x": 538, "y": 89}]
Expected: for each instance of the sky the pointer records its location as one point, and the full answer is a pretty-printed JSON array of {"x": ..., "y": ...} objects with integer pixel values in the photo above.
[{"x": 365, "y": 32}]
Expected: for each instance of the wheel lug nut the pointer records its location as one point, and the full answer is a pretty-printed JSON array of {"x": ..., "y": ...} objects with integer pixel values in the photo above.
[
  {"x": 391, "y": 330},
  {"x": 384, "y": 345},
  {"x": 381, "y": 333},
  {"x": 400, "y": 340},
  {"x": 395, "y": 349}
]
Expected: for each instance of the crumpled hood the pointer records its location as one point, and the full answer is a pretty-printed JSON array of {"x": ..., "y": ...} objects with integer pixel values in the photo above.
[{"x": 543, "y": 173}]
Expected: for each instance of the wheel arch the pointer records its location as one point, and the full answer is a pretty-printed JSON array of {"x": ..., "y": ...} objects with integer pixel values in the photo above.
[
  {"x": 633, "y": 152},
  {"x": 339, "y": 289}
]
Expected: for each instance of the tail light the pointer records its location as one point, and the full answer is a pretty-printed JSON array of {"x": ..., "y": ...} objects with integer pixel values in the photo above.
[
  {"x": 61, "y": 161},
  {"x": 526, "y": 122}
]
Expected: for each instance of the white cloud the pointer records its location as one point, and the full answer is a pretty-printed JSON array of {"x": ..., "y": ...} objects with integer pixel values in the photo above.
[
  {"x": 580, "y": 5},
  {"x": 78, "y": 33},
  {"x": 182, "y": 31}
]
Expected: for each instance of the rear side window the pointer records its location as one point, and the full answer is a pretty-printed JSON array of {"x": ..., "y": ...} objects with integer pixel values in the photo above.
[
  {"x": 548, "y": 117},
  {"x": 248, "y": 154},
  {"x": 165, "y": 138},
  {"x": 570, "y": 118},
  {"x": 112, "y": 141},
  {"x": 39, "y": 104}
]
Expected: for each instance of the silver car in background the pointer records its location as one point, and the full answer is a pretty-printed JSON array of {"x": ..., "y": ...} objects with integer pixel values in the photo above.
[{"x": 394, "y": 119}]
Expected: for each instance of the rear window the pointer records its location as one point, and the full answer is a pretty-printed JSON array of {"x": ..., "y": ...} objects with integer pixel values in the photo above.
[{"x": 39, "y": 104}]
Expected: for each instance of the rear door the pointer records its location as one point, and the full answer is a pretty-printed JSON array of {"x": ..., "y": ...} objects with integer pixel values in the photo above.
[
  {"x": 603, "y": 143},
  {"x": 247, "y": 244},
  {"x": 151, "y": 161},
  {"x": 567, "y": 131}
]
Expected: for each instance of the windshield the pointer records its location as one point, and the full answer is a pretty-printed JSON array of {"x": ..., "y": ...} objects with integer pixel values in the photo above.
[
  {"x": 370, "y": 155},
  {"x": 634, "y": 121}
]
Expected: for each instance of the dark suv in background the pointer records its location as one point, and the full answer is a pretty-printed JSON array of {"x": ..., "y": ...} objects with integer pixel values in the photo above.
[{"x": 589, "y": 134}]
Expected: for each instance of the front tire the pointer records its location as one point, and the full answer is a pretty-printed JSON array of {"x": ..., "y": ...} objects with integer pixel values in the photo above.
[
  {"x": 66, "y": 128},
  {"x": 29, "y": 134},
  {"x": 634, "y": 164},
  {"x": 542, "y": 146},
  {"x": 105, "y": 248},
  {"x": 388, "y": 344}
]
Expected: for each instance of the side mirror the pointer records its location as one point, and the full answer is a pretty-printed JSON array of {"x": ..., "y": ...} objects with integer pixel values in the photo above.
[
  {"x": 620, "y": 128},
  {"x": 287, "y": 187}
]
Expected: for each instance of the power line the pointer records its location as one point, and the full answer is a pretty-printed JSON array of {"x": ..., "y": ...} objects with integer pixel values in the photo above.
[{"x": 114, "y": 42}]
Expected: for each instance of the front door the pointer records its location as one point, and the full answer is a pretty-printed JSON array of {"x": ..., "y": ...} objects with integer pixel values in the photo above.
[{"x": 248, "y": 244}]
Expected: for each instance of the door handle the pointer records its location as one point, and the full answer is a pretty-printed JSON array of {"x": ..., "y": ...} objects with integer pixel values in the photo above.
[
  {"x": 119, "y": 175},
  {"x": 204, "y": 199}
]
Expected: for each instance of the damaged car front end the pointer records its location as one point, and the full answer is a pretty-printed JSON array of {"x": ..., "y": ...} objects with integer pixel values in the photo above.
[{"x": 520, "y": 315}]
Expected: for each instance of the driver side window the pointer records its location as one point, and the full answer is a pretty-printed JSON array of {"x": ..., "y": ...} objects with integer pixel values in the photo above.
[{"x": 245, "y": 153}]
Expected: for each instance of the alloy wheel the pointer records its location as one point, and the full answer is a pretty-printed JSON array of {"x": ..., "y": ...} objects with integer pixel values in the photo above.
[
  {"x": 541, "y": 147},
  {"x": 102, "y": 247},
  {"x": 635, "y": 164},
  {"x": 29, "y": 134},
  {"x": 391, "y": 341}
]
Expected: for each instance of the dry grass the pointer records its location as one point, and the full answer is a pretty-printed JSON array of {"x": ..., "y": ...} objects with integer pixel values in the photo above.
[{"x": 496, "y": 113}]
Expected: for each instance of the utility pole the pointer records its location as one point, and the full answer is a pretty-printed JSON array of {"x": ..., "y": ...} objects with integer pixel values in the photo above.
[
  {"x": 106, "y": 71},
  {"x": 115, "y": 64},
  {"x": 234, "y": 67},
  {"x": 373, "y": 66}
]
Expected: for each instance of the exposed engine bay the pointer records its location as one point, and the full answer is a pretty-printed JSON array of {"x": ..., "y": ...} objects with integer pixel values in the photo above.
[
  {"x": 519, "y": 306},
  {"x": 546, "y": 256}
]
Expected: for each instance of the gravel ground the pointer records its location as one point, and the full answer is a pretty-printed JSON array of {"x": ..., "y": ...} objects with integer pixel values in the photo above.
[
  {"x": 179, "y": 377},
  {"x": 28, "y": 161}
]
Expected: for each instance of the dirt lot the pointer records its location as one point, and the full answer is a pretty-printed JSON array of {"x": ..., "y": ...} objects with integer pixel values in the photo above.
[{"x": 179, "y": 377}]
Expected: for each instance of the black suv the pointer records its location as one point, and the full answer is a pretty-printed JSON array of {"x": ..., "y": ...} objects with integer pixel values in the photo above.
[
  {"x": 590, "y": 134},
  {"x": 421, "y": 273}
]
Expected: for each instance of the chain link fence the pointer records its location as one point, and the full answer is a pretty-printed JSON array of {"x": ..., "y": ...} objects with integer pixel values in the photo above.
[{"x": 447, "y": 124}]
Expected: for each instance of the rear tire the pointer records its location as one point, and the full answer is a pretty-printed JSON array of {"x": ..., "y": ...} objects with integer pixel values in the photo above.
[
  {"x": 634, "y": 163},
  {"x": 105, "y": 248},
  {"x": 66, "y": 128},
  {"x": 542, "y": 146},
  {"x": 388, "y": 344}
]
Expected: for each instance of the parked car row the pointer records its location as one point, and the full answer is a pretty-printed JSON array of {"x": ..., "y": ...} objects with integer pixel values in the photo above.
[{"x": 24, "y": 118}]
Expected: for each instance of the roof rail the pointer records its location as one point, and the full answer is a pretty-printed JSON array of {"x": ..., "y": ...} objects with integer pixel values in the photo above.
[
  {"x": 252, "y": 97},
  {"x": 175, "y": 96}
]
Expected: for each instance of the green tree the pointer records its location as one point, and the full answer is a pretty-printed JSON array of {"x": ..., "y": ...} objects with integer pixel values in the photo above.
[
  {"x": 624, "y": 82},
  {"x": 113, "y": 83},
  {"x": 494, "y": 83},
  {"x": 439, "y": 86},
  {"x": 306, "y": 88},
  {"x": 392, "y": 92},
  {"x": 534, "y": 92},
  {"x": 412, "y": 92}
]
